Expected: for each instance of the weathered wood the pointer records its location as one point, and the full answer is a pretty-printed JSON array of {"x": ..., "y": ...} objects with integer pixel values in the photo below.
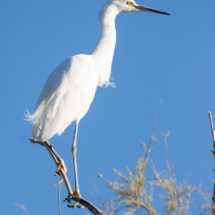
[{"x": 213, "y": 151}]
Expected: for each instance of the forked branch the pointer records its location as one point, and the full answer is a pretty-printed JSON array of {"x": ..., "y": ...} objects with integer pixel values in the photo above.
[{"x": 70, "y": 196}]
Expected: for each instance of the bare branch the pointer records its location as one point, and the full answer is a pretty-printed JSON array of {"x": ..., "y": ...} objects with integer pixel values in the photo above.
[
  {"x": 153, "y": 130},
  {"x": 86, "y": 204},
  {"x": 22, "y": 207},
  {"x": 59, "y": 199},
  {"x": 101, "y": 199},
  {"x": 70, "y": 196},
  {"x": 213, "y": 151},
  {"x": 212, "y": 128}
]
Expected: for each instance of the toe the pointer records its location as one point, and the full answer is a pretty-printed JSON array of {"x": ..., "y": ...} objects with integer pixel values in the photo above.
[
  {"x": 60, "y": 181},
  {"x": 76, "y": 204},
  {"x": 76, "y": 193},
  {"x": 73, "y": 206}
]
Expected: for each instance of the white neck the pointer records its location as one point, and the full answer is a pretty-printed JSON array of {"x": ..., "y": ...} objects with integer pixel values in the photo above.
[{"x": 104, "y": 49}]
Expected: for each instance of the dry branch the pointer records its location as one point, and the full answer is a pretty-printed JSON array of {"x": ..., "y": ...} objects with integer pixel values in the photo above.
[
  {"x": 70, "y": 196},
  {"x": 59, "y": 199},
  {"x": 101, "y": 199},
  {"x": 213, "y": 151}
]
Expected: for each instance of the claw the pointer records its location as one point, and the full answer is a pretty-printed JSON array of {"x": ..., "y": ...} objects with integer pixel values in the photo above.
[
  {"x": 68, "y": 198},
  {"x": 76, "y": 193},
  {"x": 57, "y": 174},
  {"x": 59, "y": 182},
  {"x": 62, "y": 166},
  {"x": 73, "y": 206}
]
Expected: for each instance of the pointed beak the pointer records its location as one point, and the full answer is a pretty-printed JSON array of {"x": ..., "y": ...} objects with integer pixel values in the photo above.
[{"x": 143, "y": 8}]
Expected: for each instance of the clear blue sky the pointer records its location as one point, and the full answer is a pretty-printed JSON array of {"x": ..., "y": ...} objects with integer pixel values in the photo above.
[{"x": 156, "y": 57}]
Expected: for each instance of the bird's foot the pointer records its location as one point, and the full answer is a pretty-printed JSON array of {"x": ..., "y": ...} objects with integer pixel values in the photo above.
[
  {"x": 76, "y": 193},
  {"x": 61, "y": 165}
]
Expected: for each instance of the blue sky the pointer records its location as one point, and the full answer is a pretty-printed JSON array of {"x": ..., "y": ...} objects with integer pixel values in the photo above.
[{"x": 156, "y": 57}]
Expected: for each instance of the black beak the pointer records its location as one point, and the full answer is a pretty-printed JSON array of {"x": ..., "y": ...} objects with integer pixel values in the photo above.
[{"x": 143, "y": 8}]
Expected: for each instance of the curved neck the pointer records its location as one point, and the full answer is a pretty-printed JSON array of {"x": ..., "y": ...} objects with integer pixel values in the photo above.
[{"x": 104, "y": 49}]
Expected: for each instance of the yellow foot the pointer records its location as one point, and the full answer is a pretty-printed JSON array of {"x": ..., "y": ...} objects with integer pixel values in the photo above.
[
  {"x": 61, "y": 165},
  {"x": 76, "y": 193},
  {"x": 73, "y": 206}
]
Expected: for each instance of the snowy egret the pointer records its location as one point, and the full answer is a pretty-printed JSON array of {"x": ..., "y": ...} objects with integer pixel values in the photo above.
[{"x": 70, "y": 88}]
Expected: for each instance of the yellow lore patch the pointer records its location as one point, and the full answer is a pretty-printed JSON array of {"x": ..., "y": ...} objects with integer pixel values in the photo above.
[{"x": 130, "y": 3}]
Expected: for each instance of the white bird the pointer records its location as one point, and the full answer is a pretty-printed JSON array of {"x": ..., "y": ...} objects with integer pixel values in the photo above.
[{"x": 70, "y": 88}]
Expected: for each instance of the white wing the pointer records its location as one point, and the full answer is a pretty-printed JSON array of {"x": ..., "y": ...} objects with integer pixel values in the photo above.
[{"x": 65, "y": 97}]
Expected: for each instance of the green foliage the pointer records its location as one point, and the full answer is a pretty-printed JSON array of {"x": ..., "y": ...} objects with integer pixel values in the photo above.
[{"x": 134, "y": 192}]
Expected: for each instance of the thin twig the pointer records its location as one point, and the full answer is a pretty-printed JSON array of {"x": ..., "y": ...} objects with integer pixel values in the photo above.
[
  {"x": 173, "y": 175},
  {"x": 70, "y": 196},
  {"x": 153, "y": 130},
  {"x": 102, "y": 201},
  {"x": 22, "y": 207},
  {"x": 59, "y": 199},
  {"x": 107, "y": 182},
  {"x": 213, "y": 151}
]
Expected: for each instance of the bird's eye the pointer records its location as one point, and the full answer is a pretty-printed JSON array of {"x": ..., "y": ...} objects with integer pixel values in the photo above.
[{"x": 129, "y": 3}]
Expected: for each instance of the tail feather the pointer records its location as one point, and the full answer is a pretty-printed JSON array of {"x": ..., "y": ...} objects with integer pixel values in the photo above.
[{"x": 29, "y": 117}]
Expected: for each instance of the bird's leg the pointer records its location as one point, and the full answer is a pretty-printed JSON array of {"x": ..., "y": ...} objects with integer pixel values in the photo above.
[
  {"x": 74, "y": 150},
  {"x": 60, "y": 162}
]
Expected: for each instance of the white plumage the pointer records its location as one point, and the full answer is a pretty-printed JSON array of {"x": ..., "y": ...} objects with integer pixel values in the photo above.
[
  {"x": 70, "y": 88},
  {"x": 65, "y": 97}
]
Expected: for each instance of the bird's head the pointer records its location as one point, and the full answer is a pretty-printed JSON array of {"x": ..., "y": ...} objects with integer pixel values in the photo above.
[{"x": 132, "y": 6}]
